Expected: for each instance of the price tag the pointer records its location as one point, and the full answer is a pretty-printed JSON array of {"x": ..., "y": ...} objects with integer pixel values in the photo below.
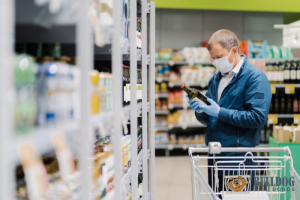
[
  {"x": 159, "y": 79},
  {"x": 170, "y": 146},
  {"x": 289, "y": 89},
  {"x": 273, "y": 118},
  {"x": 184, "y": 126},
  {"x": 185, "y": 146},
  {"x": 170, "y": 126},
  {"x": 187, "y": 85},
  {"x": 191, "y": 63},
  {"x": 171, "y": 84},
  {"x": 171, "y": 63},
  {"x": 296, "y": 119},
  {"x": 156, "y": 96},
  {"x": 273, "y": 88},
  {"x": 171, "y": 106},
  {"x": 185, "y": 105}
]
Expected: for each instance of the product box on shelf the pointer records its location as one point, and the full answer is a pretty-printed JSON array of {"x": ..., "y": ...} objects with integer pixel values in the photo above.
[{"x": 161, "y": 138}]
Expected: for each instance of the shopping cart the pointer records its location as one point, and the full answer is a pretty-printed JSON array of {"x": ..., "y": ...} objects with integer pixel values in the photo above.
[{"x": 242, "y": 181}]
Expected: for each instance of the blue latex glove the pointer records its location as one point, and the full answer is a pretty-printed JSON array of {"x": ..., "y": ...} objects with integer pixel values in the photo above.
[
  {"x": 194, "y": 104},
  {"x": 213, "y": 109}
]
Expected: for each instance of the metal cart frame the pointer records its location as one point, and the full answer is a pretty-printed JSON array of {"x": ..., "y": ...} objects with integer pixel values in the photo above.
[{"x": 237, "y": 176}]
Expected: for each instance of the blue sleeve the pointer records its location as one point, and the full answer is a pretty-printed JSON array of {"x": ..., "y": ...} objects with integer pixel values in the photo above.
[
  {"x": 257, "y": 99},
  {"x": 203, "y": 117}
]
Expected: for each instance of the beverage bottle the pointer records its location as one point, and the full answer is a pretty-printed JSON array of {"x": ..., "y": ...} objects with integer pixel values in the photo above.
[
  {"x": 269, "y": 73},
  {"x": 139, "y": 86},
  {"x": 124, "y": 81},
  {"x": 289, "y": 104},
  {"x": 275, "y": 72},
  {"x": 281, "y": 73},
  {"x": 298, "y": 72},
  {"x": 282, "y": 104},
  {"x": 293, "y": 74},
  {"x": 295, "y": 104},
  {"x": 276, "y": 104},
  {"x": 195, "y": 94},
  {"x": 286, "y": 72}
]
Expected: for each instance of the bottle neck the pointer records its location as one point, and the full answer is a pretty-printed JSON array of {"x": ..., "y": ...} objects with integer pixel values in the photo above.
[{"x": 186, "y": 89}]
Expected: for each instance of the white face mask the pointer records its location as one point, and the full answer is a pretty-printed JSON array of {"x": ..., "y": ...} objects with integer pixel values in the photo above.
[{"x": 223, "y": 65}]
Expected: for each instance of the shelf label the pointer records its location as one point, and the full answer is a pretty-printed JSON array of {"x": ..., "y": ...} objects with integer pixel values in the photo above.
[
  {"x": 272, "y": 118},
  {"x": 273, "y": 88},
  {"x": 159, "y": 79},
  {"x": 170, "y": 147},
  {"x": 171, "y": 84},
  {"x": 185, "y": 146},
  {"x": 184, "y": 126},
  {"x": 156, "y": 96},
  {"x": 171, "y": 63},
  {"x": 289, "y": 89},
  {"x": 296, "y": 119},
  {"x": 171, "y": 106}
]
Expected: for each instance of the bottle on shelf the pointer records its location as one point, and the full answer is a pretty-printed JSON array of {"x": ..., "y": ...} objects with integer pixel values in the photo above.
[
  {"x": 295, "y": 104},
  {"x": 286, "y": 72},
  {"x": 276, "y": 103},
  {"x": 139, "y": 86},
  {"x": 124, "y": 81},
  {"x": 269, "y": 72},
  {"x": 289, "y": 104},
  {"x": 282, "y": 103},
  {"x": 263, "y": 134},
  {"x": 275, "y": 72},
  {"x": 195, "y": 94},
  {"x": 281, "y": 73},
  {"x": 298, "y": 72},
  {"x": 293, "y": 75}
]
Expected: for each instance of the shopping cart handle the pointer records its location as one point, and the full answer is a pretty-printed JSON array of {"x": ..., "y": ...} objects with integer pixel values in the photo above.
[{"x": 242, "y": 149}]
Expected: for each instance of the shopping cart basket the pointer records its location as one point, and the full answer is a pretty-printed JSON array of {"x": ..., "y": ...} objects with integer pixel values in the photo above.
[{"x": 271, "y": 180}]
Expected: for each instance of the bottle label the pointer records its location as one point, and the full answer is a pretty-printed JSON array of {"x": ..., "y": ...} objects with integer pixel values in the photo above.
[
  {"x": 295, "y": 106},
  {"x": 269, "y": 76},
  {"x": 275, "y": 76},
  {"x": 293, "y": 74},
  {"x": 298, "y": 74},
  {"x": 139, "y": 92},
  {"x": 281, "y": 76},
  {"x": 286, "y": 74}
]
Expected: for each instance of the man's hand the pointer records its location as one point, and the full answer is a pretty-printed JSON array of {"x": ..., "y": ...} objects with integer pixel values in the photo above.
[{"x": 213, "y": 109}]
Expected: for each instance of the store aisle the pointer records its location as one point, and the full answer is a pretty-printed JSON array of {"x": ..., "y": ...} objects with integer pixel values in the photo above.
[{"x": 173, "y": 178}]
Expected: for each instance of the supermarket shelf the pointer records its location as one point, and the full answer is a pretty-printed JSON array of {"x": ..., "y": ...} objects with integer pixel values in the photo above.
[
  {"x": 41, "y": 137},
  {"x": 171, "y": 106},
  {"x": 161, "y": 79},
  {"x": 283, "y": 85},
  {"x": 161, "y": 112},
  {"x": 285, "y": 115},
  {"x": 171, "y": 62},
  {"x": 186, "y": 126},
  {"x": 161, "y": 128},
  {"x": 173, "y": 84},
  {"x": 185, "y": 146},
  {"x": 162, "y": 95}
]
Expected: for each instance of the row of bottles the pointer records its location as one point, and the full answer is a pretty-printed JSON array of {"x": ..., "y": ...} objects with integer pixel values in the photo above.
[
  {"x": 46, "y": 86},
  {"x": 285, "y": 104},
  {"x": 286, "y": 72},
  {"x": 127, "y": 88}
]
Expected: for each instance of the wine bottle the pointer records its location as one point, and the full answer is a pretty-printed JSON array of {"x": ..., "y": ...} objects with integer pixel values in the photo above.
[
  {"x": 276, "y": 104},
  {"x": 282, "y": 103},
  {"x": 286, "y": 72},
  {"x": 295, "y": 104},
  {"x": 293, "y": 74},
  {"x": 195, "y": 94},
  {"x": 289, "y": 105},
  {"x": 298, "y": 72}
]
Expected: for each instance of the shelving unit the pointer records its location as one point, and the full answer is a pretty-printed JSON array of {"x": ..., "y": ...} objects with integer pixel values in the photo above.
[{"x": 71, "y": 25}]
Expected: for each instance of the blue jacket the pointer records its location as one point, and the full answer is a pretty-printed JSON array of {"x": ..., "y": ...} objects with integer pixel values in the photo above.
[{"x": 244, "y": 107}]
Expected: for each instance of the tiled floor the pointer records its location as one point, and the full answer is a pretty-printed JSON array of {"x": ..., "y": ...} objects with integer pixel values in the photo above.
[{"x": 173, "y": 178}]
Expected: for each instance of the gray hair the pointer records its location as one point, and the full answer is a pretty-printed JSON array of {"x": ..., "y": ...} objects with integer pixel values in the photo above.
[{"x": 226, "y": 38}]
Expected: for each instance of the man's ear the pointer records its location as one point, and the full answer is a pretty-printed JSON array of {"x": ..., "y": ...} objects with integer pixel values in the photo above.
[{"x": 235, "y": 49}]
